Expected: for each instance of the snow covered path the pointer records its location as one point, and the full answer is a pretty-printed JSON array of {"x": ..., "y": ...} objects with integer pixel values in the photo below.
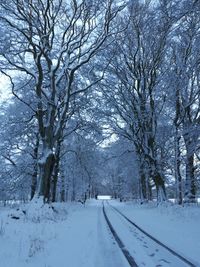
[
  {"x": 175, "y": 226},
  {"x": 83, "y": 238},
  {"x": 145, "y": 251},
  {"x": 85, "y": 241}
]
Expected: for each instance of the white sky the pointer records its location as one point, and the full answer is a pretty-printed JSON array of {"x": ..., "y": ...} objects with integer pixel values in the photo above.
[{"x": 5, "y": 91}]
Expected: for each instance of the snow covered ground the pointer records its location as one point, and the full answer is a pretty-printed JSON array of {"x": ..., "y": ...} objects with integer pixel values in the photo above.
[
  {"x": 74, "y": 235},
  {"x": 78, "y": 238},
  {"x": 175, "y": 226}
]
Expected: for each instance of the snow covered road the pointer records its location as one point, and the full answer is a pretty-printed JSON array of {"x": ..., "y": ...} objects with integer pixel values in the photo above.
[
  {"x": 175, "y": 226},
  {"x": 144, "y": 249},
  {"x": 83, "y": 238},
  {"x": 85, "y": 241}
]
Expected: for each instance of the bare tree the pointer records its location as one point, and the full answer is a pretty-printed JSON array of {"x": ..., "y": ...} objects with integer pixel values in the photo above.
[
  {"x": 50, "y": 42},
  {"x": 185, "y": 65},
  {"x": 136, "y": 72}
]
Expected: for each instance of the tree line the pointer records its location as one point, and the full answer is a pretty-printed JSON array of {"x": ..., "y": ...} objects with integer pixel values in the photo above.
[{"x": 96, "y": 81}]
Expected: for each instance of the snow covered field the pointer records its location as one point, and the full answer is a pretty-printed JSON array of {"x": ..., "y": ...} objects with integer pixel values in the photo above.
[{"x": 75, "y": 235}]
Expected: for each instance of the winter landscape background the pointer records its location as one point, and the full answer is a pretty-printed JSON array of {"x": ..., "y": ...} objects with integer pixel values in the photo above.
[{"x": 99, "y": 98}]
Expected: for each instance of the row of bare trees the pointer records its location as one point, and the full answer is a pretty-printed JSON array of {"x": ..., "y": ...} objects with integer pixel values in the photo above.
[
  {"x": 142, "y": 61},
  {"x": 152, "y": 91},
  {"x": 49, "y": 45}
]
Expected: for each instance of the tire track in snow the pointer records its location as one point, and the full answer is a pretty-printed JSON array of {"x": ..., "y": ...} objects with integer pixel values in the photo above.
[
  {"x": 126, "y": 253},
  {"x": 107, "y": 251},
  {"x": 188, "y": 262}
]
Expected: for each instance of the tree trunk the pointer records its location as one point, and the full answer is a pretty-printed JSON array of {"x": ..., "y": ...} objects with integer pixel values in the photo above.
[
  {"x": 63, "y": 193},
  {"x": 73, "y": 196},
  {"x": 55, "y": 179},
  {"x": 34, "y": 182},
  {"x": 143, "y": 177},
  {"x": 155, "y": 169},
  {"x": 143, "y": 194},
  {"x": 35, "y": 170},
  {"x": 160, "y": 187},
  {"x": 56, "y": 171},
  {"x": 190, "y": 187},
  {"x": 178, "y": 177},
  {"x": 149, "y": 191},
  {"x": 46, "y": 166},
  {"x": 161, "y": 194}
]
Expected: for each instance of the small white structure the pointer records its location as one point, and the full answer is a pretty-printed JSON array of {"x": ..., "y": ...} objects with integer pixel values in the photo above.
[{"x": 102, "y": 197}]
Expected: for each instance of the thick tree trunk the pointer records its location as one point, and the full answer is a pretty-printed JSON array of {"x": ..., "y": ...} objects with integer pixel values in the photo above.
[
  {"x": 160, "y": 187},
  {"x": 143, "y": 176},
  {"x": 56, "y": 172},
  {"x": 156, "y": 170},
  {"x": 161, "y": 193},
  {"x": 46, "y": 166},
  {"x": 57, "y": 163}
]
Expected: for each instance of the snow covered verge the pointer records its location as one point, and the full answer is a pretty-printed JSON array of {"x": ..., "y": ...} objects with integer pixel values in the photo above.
[
  {"x": 176, "y": 226},
  {"x": 26, "y": 230}
]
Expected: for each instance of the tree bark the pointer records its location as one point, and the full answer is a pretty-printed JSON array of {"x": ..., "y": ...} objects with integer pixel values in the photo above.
[
  {"x": 46, "y": 166},
  {"x": 63, "y": 193},
  {"x": 34, "y": 181},
  {"x": 178, "y": 176},
  {"x": 35, "y": 168},
  {"x": 190, "y": 187},
  {"x": 56, "y": 171},
  {"x": 160, "y": 187}
]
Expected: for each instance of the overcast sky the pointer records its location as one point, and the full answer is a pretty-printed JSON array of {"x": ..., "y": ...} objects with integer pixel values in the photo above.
[{"x": 4, "y": 88}]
